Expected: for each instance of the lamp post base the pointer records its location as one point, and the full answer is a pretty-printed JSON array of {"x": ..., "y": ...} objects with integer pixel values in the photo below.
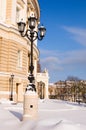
[
  {"x": 11, "y": 98},
  {"x": 30, "y": 106}
]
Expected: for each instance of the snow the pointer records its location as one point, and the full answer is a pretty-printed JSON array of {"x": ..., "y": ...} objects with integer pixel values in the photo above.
[{"x": 52, "y": 115}]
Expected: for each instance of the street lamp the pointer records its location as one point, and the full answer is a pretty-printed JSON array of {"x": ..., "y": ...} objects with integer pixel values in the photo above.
[
  {"x": 32, "y": 35},
  {"x": 31, "y": 96},
  {"x": 11, "y": 95}
]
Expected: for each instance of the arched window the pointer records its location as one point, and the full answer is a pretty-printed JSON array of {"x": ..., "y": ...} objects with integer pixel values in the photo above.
[{"x": 19, "y": 57}]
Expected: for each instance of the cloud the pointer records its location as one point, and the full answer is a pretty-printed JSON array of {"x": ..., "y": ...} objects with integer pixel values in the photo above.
[
  {"x": 68, "y": 59},
  {"x": 74, "y": 57},
  {"x": 49, "y": 52},
  {"x": 51, "y": 59},
  {"x": 51, "y": 63},
  {"x": 78, "y": 34}
]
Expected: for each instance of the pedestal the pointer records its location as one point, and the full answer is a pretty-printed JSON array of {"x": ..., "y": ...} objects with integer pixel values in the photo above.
[{"x": 30, "y": 106}]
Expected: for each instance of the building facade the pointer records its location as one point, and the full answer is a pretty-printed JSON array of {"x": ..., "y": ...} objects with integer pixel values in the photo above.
[
  {"x": 42, "y": 84},
  {"x": 14, "y": 49}
]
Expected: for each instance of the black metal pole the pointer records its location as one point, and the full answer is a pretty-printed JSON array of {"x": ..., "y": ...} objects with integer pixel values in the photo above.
[
  {"x": 11, "y": 96},
  {"x": 31, "y": 67}
]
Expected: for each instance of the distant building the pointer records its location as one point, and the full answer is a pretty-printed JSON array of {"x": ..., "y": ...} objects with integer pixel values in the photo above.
[
  {"x": 15, "y": 50},
  {"x": 52, "y": 90},
  {"x": 68, "y": 90}
]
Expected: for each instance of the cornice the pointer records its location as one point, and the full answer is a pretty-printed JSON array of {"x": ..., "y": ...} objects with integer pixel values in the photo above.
[
  {"x": 21, "y": 2},
  {"x": 34, "y": 5},
  {"x": 11, "y": 33}
]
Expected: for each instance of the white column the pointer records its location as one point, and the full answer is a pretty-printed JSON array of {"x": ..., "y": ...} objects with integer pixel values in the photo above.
[
  {"x": 46, "y": 89},
  {"x": 30, "y": 105},
  {"x": 2, "y": 10},
  {"x": 13, "y": 14}
]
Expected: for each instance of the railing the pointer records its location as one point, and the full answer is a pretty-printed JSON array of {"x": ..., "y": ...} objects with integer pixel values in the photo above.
[{"x": 42, "y": 74}]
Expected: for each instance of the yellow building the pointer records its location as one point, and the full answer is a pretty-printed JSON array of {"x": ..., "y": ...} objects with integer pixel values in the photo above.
[{"x": 15, "y": 50}]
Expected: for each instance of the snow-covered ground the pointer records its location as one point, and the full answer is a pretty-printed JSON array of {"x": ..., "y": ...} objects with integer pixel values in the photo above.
[{"x": 52, "y": 115}]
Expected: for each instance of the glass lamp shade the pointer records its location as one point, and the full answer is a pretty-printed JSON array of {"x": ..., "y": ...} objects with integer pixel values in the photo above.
[
  {"x": 32, "y": 22},
  {"x": 21, "y": 26},
  {"x": 42, "y": 30},
  {"x": 12, "y": 76}
]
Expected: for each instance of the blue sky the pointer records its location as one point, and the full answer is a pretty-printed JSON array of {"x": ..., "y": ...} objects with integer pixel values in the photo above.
[{"x": 63, "y": 49}]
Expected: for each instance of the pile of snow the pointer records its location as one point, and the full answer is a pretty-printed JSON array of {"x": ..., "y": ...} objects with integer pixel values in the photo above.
[
  {"x": 6, "y": 101},
  {"x": 52, "y": 115}
]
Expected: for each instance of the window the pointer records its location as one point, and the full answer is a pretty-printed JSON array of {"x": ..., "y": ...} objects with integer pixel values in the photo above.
[
  {"x": 18, "y": 14},
  {"x": 28, "y": 62},
  {"x": 19, "y": 55},
  {"x": 20, "y": 11}
]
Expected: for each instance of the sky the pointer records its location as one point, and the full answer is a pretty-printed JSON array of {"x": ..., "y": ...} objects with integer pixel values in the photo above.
[{"x": 63, "y": 49}]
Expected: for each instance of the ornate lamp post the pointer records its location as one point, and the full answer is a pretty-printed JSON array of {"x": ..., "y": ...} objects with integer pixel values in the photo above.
[
  {"x": 31, "y": 97},
  {"x": 32, "y": 35},
  {"x": 11, "y": 96}
]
